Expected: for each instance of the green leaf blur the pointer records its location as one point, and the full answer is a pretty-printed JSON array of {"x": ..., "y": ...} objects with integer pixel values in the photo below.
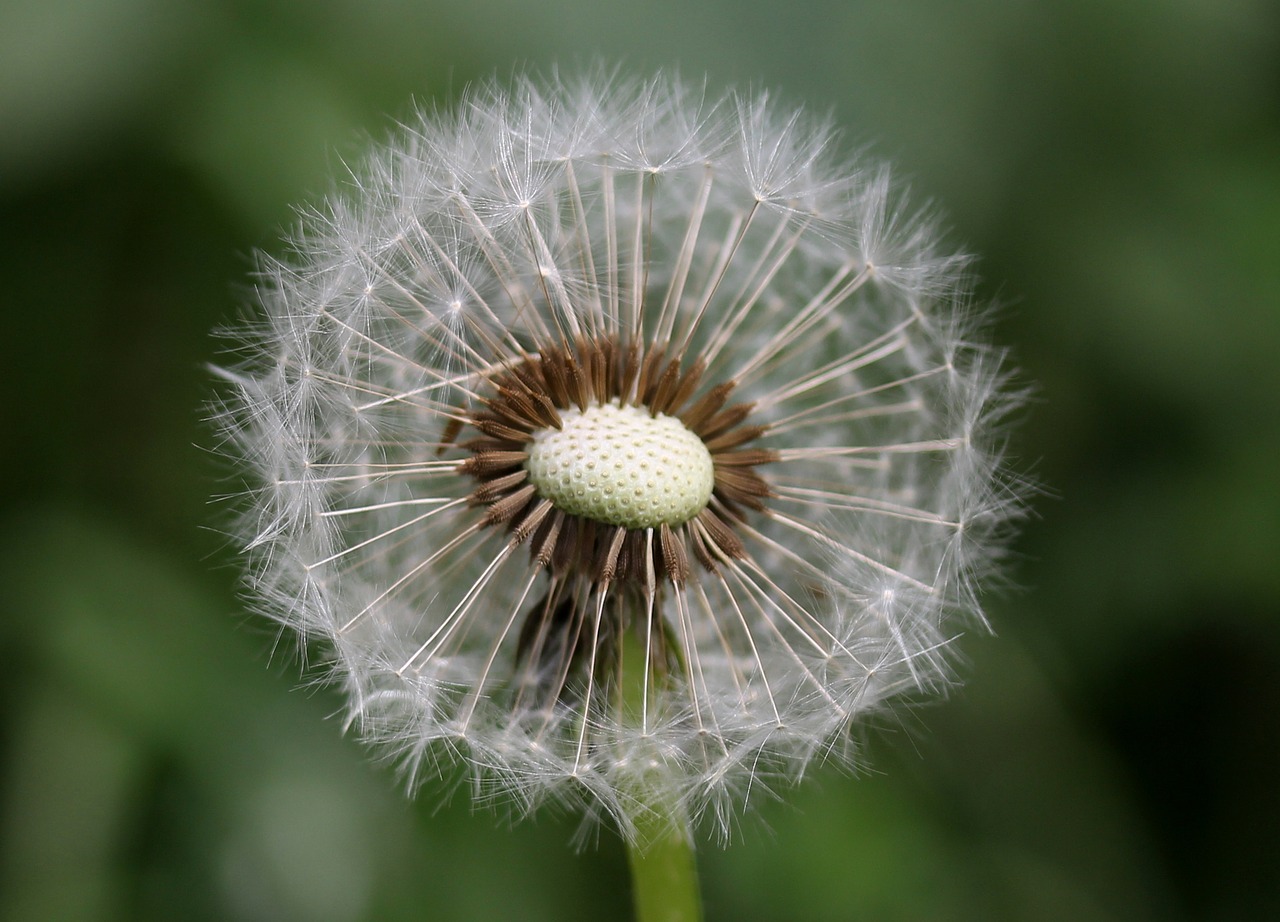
[{"x": 1114, "y": 752}]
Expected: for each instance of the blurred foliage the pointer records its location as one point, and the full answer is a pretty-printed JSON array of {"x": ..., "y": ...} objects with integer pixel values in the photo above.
[{"x": 1114, "y": 754}]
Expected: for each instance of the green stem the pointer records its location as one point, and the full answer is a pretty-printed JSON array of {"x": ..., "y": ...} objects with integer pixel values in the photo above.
[
  {"x": 664, "y": 878},
  {"x": 664, "y": 875}
]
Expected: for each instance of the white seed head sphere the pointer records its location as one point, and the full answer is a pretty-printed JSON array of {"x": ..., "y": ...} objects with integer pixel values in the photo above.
[{"x": 595, "y": 372}]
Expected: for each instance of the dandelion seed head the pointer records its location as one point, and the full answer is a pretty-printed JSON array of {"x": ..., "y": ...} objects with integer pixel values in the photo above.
[{"x": 606, "y": 432}]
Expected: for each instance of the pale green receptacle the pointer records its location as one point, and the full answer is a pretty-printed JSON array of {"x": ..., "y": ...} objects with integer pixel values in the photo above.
[{"x": 621, "y": 465}]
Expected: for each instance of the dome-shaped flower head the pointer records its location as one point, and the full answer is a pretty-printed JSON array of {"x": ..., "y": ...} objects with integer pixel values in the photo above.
[{"x": 607, "y": 437}]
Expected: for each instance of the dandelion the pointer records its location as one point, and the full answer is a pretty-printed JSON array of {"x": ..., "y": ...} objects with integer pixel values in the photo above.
[{"x": 624, "y": 446}]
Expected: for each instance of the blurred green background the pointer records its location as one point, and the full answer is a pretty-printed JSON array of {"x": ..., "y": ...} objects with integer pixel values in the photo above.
[{"x": 1114, "y": 753}]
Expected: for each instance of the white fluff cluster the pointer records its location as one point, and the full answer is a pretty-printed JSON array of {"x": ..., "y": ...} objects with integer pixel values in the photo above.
[{"x": 590, "y": 215}]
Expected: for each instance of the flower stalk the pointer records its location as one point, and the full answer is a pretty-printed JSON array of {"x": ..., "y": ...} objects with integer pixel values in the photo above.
[
  {"x": 664, "y": 877},
  {"x": 660, "y": 845}
]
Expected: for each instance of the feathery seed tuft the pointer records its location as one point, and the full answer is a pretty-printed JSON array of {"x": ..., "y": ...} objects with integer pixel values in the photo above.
[{"x": 595, "y": 372}]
